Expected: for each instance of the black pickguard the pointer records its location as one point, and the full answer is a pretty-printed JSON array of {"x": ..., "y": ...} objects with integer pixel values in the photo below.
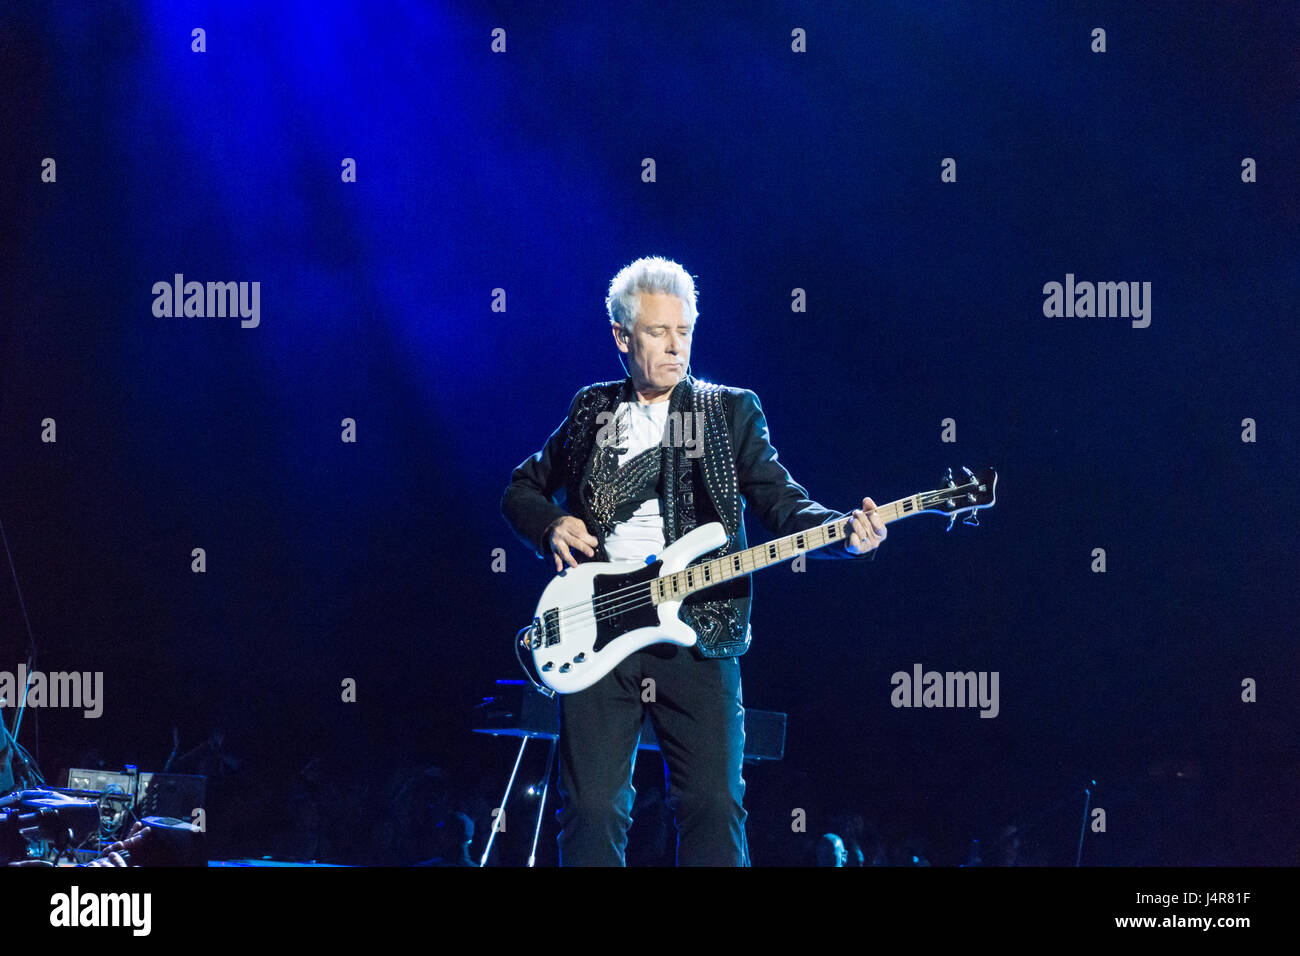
[{"x": 615, "y": 616}]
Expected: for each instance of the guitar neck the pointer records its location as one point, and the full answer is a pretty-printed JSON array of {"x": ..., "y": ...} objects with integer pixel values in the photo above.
[{"x": 707, "y": 574}]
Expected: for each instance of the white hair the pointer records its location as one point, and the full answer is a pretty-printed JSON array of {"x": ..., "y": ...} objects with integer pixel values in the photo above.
[{"x": 650, "y": 274}]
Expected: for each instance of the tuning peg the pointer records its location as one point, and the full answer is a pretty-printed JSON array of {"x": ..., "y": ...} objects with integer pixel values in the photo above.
[
  {"x": 951, "y": 521},
  {"x": 972, "y": 519},
  {"x": 969, "y": 474},
  {"x": 948, "y": 478}
]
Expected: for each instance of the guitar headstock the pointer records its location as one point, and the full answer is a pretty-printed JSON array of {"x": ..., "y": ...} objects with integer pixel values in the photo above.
[{"x": 966, "y": 496}]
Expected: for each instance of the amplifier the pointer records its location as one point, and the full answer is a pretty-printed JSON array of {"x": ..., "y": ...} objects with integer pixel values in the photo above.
[{"x": 148, "y": 794}]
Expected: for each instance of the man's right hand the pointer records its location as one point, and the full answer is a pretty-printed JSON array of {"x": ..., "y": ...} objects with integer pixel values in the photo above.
[{"x": 568, "y": 535}]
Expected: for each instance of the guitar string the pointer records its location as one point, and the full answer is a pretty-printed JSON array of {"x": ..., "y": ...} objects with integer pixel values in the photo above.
[
  {"x": 927, "y": 498},
  {"x": 609, "y": 603}
]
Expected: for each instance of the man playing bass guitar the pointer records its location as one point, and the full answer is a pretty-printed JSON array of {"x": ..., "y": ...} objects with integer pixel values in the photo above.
[{"x": 640, "y": 463}]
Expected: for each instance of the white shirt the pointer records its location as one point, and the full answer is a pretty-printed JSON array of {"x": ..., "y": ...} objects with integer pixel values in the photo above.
[{"x": 643, "y": 533}]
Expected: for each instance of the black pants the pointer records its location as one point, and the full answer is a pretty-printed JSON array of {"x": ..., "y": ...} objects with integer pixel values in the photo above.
[{"x": 698, "y": 716}]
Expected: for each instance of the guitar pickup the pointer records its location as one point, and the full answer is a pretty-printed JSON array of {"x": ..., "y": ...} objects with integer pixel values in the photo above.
[{"x": 551, "y": 627}]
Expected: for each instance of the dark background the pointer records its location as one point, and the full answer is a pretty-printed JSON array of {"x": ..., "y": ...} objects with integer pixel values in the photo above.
[{"x": 776, "y": 170}]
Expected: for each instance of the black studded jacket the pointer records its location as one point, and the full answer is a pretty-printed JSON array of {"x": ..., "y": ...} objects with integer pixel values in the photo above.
[{"x": 736, "y": 465}]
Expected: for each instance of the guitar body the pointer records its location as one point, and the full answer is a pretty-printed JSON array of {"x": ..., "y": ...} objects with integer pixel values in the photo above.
[{"x": 592, "y": 617}]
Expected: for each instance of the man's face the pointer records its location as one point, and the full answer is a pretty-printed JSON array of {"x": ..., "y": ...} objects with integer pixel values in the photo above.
[{"x": 659, "y": 347}]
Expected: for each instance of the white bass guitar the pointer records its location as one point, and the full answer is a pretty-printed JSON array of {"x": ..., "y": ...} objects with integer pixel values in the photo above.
[{"x": 590, "y": 618}]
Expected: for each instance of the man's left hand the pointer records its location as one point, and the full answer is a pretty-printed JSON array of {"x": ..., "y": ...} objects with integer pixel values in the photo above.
[{"x": 867, "y": 529}]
